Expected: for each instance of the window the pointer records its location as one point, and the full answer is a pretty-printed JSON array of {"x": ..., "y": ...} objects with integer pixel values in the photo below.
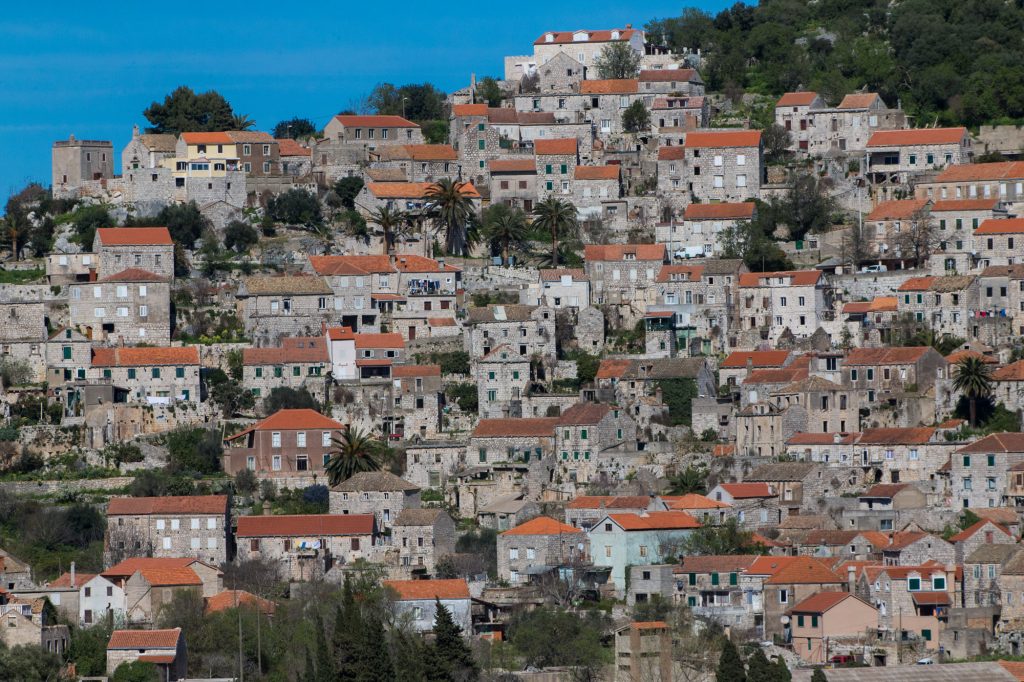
[
  {"x": 156, "y": 372},
  {"x": 300, "y": 439},
  {"x": 914, "y": 584},
  {"x": 275, "y": 439},
  {"x": 325, "y": 439},
  {"x": 513, "y": 553},
  {"x": 783, "y": 596},
  {"x": 276, "y": 463}
]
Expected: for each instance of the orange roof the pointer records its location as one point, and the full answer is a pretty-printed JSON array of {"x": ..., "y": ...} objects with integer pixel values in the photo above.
[
  {"x": 671, "y": 153},
  {"x": 289, "y": 147},
  {"x": 608, "y": 252},
  {"x": 583, "y": 414},
  {"x": 693, "y": 501},
  {"x": 916, "y": 136},
  {"x": 512, "y": 165},
  {"x": 724, "y": 450},
  {"x": 441, "y": 322},
  {"x": 535, "y": 427},
  {"x": 597, "y": 172},
  {"x": 951, "y": 205},
  {"x": 319, "y": 525},
  {"x": 470, "y": 109},
  {"x": 64, "y": 580},
  {"x": 230, "y": 599},
  {"x": 374, "y": 121},
  {"x": 412, "y": 190},
  {"x": 182, "y": 504},
  {"x": 657, "y": 520},
  {"x": 969, "y": 532},
  {"x": 758, "y": 358},
  {"x": 399, "y": 371},
  {"x": 542, "y": 525},
  {"x": 165, "y": 659},
  {"x": 886, "y": 356},
  {"x": 134, "y": 236},
  {"x": 996, "y": 442},
  {"x": 723, "y": 138},
  {"x": 897, "y": 209},
  {"x": 914, "y": 435},
  {"x": 1015, "y": 668},
  {"x": 1001, "y": 226},
  {"x": 798, "y": 278},
  {"x": 134, "y": 275},
  {"x": 417, "y": 590},
  {"x": 373, "y": 340},
  {"x": 692, "y": 272},
  {"x": 744, "y": 491},
  {"x": 144, "y": 639},
  {"x": 624, "y": 86},
  {"x": 145, "y": 356},
  {"x": 960, "y": 355},
  {"x": 1012, "y": 372},
  {"x": 858, "y": 101},
  {"x": 649, "y": 625},
  {"x": 558, "y": 37},
  {"x": 918, "y": 283},
  {"x": 292, "y": 420},
  {"x": 157, "y": 571},
  {"x": 609, "y": 502},
  {"x": 879, "y": 304},
  {"x": 796, "y": 99},
  {"x": 207, "y": 138},
  {"x": 821, "y": 602},
  {"x": 968, "y": 172},
  {"x": 350, "y": 265},
  {"x": 667, "y": 75},
  {"x": 804, "y": 570},
  {"x": 612, "y": 369},
  {"x": 737, "y": 211},
  {"x": 778, "y": 375},
  {"x": 428, "y": 152},
  {"x": 561, "y": 147}
]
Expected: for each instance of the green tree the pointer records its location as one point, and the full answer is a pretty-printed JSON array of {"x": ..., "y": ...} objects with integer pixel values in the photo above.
[
  {"x": 617, "y": 60},
  {"x": 288, "y": 398},
  {"x": 776, "y": 141},
  {"x": 347, "y": 189},
  {"x": 747, "y": 240},
  {"x": 374, "y": 662},
  {"x": 730, "y": 665},
  {"x": 973, "y": 378},
  {"x": 86, "y": 220},
  {"x": 489, "y": 91},
  {"x": 452, "y": 650},
  {"x": 452, "y": 211},
  {"x": 295, "y": 129},
  {"x": 417, "y": 102},
  {"x": 690, "y": 480},
  {"x": 759, "y": 668},
  {"x": 352, "y": 452},
  {"x": 136, "y": 671},
  {"x": 88, "y": 649},
  {"x": 548, "y": 636},
  {"x": 246, "y": 482},
  {"x": 239, "y": 236},
  {"x": 295, "y": 207},
  {"x": 193, "y": 450},
  {"x": 28, "y": 664},
  {"x": 782, "y": 673},
  {"x": 242, "y": 122},
  {"x": 727, "y": 538},
  {"x": 504, "y": 228},
  {"x": 232, "y": 398},
  {"x": 819, "y": 676},
  {"x": 392, "y": 223},
  {"x": 465, "y": 395},
  {"x": 807, "y": 206},
  {"x": 636, "y": 118},
  {"x": 185, "y": 222},
  {"x": 185, "y": 111},
  {"x": 558, "y": 219}
]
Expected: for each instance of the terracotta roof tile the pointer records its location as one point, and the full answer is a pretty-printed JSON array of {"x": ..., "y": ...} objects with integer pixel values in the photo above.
[
  {"x": 969, "y": 532},
  {"x": 375, "y": 481},
  {"x": 614, "y": 252},
  {"x": 374, "y": 121},
  {"x": 715, "y": 563},
  {"x": 144, "y": 639},
  {"x": 167, "y": 572},
  {"x": 556, "y": 274},
  {"x": 419, "y": 590},
  {"x": 412, "y": 190},
  {"x": 609, "y": 502},
  {"x": 735, "y": 211},
  {"x": 663, "y": 520},
  {"x": 293, "y": 420},
  {"x": 512, "y": 165},
  {"x": 192, "y": 504},
  {"x": 543, "y": 525},
  {"x": 931, "y": 598},
  {"x": 1001, "y": 226},
  {"x": 609, "y": 87},
  {"x": 796, "y": 99},
  {"x": 746, "y": 491},
  {"x": 611, "y": 368},
  {"x": 963, "y": 205},
  {"x": 897, "y": 209},
  {"x": 1012, "y": 372},
  {"x": 536, "y": 427},
  {"x": 858, "y": 100},
  {"x": 134, "y": 236},
  {"x": 230, "y": 599},
  {"x": 606, "y": 36},
  {"x": 597, "y": 172},
  {"x": 64, "y": 580},
  {"x": 320, "y": 525},
  {"x": 560, "y": 147},
  {"x": 969, "y": 172},
  {"x": 797, "y": 278},
  {"x": 134, "y": 275},
  {"x": 960, "y": 355},
  {"x": 668, "y": 75},
  {"x": 879, "y": 304},
  {"x": 207, "y": 138},
  {"x": 917, "y": 435},
  {"x": 821, "y": 602},
  {"x": 401, "y": 371},
  {"x": 671, "y": 153},
  {"x": 462, "y": 110},
  {"x": 683, "y": 273},
  {"x": 916, "y": 136},
  {"x": 289, "y": 147},
  {"x": 885, "y": 356},
  {"x": 996, "y": 442},
  {"x": 583, "y": 414},
  {"x": 758, "y": 358},
  {"x": 421, "y": 152},
  {"x": 884, "y": 490},
  {"x": 301, "y": 350},
  {"x": 723, "y": 138},
  {"x": 805, "y": 570},
  {"x": 693, "y": 501},
  {"x": 145, "y": 356}
]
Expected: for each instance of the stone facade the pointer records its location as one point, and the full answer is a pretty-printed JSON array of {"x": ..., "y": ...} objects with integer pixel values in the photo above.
[
  {"x": 307, "y": 547},
  {"x": 541, "y": 542},
  {"x": 130, "y": 307},
  {"x": 76, "y": 162},
  {"x": 422, "y": 537},
  {"x": 274, "y": 307},
  {"x": 528, "y": 330},
  {"x": 380, "y": 493},
  {"x": 170, "y": 527}
]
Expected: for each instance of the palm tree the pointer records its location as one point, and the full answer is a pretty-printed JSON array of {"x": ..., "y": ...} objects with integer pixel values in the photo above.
[
  {"x": 973, "y": 379},
  {"x": 506, "y": 229},
  {"x": 689, "y": 480},
  {"x": 452, "y": 211},
  {"x": 392, "y": 223},
  {"x": 242, "y": 122},
  {"x": 559, "y": 219},
  {"x": 353, "y": 452}
]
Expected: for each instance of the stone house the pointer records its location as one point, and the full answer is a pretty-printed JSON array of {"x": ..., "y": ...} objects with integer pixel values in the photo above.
[
  {"x": 756, "y": 504},
  {"x": 537, "y": 546},
  {"x": 1002, "y": 179},
  {"x": 738, "y": 365},
  {"x": 584, "y": 511},
  {"x": 352, "y": 279},
  {"x": 149, "y": 584},
  {"x": 585, "y": 432},
  {"x": 560, "y": 73},
  {"x": 608, "y": 100},
  {"x": 1010, "y": 581},
  {"x": 983, "y": 575},
  {"x": 585, "y": 46},
  {"x": 631, "y": 383},
  {"x": 792, "y": 113},
  {"x": 430, "y": 464},
  {"x": 296, "y": 159},
  {"x": 510, "y": 439},
  {"x": 786, "y": 583},
  {"x": 529, "y": 330},
  {"x": 146, "y": 248},
  {"x": 999, "y": 241},
  {"x": 556, "y": 162},
  {"x": 420, "y": 162},
  {"x": 129, "y": 306},
  {"x": 980, "y": 472},
  {"x": 722, "y": 165},
  {"x": 23, "y": 334},
  {"x": 258, "y": 153},
  {"x": 895, "y": 156},
  {"x": 1001, "y": 293},
  {"x": 643, "y": 651},
  {"x": 979, "y": 534},
  {"x": 27, "y": 624},
  {"x": 817, "y": 405},
  {"x": 418, "y": 400},
  {"x": 890, "y": 228},
  {"x": 299, "y": 362},
  {"x": 622, "y": 274},
  {"x": 910, "y": 548},
  {"x": 422, "y": 537},
  {"x": 68, "y": 356},
  {"x": 759, "y": 429},
  {"x": 1008, "y": 385},
  {"x": 956, "y": 220},
  {"x": 946, "y": 303},
  {"x": 507, "y": 512},
  {"x": 514, "y": 182},
  {"x": 153, "y": 375},
  {"x": 77, "y": 162},
  {"x": 670, "y": 82},
  {"x": 165, "y": 649},
  {"x": 718, "y": 587},
  {"x": 913, "y": 598},
  {"x": 675, "y": 115},
  {"x": 286, "y": 305},
  {"x": 295, "y": 442},
  {"x": 379, "y": 493},
  {"x": 373, "y": 131},
  {"x": 365, "y": 356},
  {"x": 771, "y": 302},
  {"x": 829, "y": 616},
  {"x": 65, "y": 268},
  {"x": 503, "y": 378},
  {"x": 404, "y": 196},
  {"x": 795, "y": 483},
  {"x": 563, "y": 288},
  {"x": 14, "y": 573},
  {"x": 194, "y": 526},
  {"x": 415, "y": 601},
  {"x": 846, "y": 128},
  {"x": 881, "y": 372},
  {"x": 147, "y": 151},
  {"x": 700, "y": 232},
  {"x": 476, "y": 141},
  {"x": 593, "y": 187},
  {"x": 307, "y": 546},
  {"x": 621, "y": 540}
]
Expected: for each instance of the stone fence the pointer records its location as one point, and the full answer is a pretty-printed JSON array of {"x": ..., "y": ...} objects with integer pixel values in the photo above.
[{"x": 77, "y": 485}]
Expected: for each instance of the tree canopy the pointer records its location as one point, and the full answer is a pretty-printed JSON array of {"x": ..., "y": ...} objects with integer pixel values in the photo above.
[
  {"x": 417, "y": 102},
  {"x": 617, "y": 60},
  {"x": 295, "y": 128},
  {"x": 186, "y": 111}
]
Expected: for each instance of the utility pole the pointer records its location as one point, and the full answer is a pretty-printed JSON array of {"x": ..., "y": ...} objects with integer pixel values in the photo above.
[{"x": 241, "y": 670}]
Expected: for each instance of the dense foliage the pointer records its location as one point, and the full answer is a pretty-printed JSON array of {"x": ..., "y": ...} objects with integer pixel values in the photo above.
[
  {"x": 186, "y": 111},
  {"x": 295, "y": 128}
]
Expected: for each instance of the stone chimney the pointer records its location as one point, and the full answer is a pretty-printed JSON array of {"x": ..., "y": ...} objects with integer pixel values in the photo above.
[
  {"x": 135, "y": 131},
  {"x": 750, "y": 364},
  {"x": 851, "y": 579},
  {"x": 73, "y": 574},
  {"x": 266, "y": 508}
]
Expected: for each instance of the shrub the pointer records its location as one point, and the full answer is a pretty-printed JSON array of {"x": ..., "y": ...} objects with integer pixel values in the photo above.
[
  {"x": 239, "y": 236},
  {"x": 295, "y": 207},
  {"x": 245, "y": 481}
]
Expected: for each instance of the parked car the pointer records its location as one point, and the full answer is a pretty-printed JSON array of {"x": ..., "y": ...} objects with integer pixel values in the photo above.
[{"x": 874, "y": 268}]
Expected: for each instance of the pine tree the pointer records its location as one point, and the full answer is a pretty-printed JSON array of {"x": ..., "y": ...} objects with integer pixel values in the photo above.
[
  {"x": 819, "y": 676},
  {"x": 730, "y": 667},
  {"x": 410, "y": 657},
  {"x": 759, "y": 668},
  {"x": 452, "y": 651},
  {"x": 782, "y": 673},
  {"x": 325, "y": 668},
  {"x": 373, "y": 663},
  {"x": 345, "y": 642},
  {"x": 309, "y": 674}
]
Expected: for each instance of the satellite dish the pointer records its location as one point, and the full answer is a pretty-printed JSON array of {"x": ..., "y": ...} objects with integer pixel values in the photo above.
[{"x": 785, "y": 620}]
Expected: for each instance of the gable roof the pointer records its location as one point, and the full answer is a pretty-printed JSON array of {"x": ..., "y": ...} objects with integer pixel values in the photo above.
[
  {"x": 609, "y": 87},
  {"x": 597, "y": 172},
  {"x": 183, "y": 504},
  {"x": 557, "y": 147},
  {"x": 230, "y": 599},
  {"x": 133, "y": 275},
  {"x": 144, "y": 639},
  {"x": 292, "y": 420},
  {"x": 322, "y": 525},
  {"x": 897, "y": 209},
  {"x": 419, "y": 590},
  {"x": 512, "y": 166},
  {"x": 796, "y": 99},
  {"x": 1011, "y": 372},
  {"x": 204, "y": 137},
  {"x": 693, "y": 501},
  {"x": 879, "y": 304},
  {"x": 375, "y": 481},
  {"x": 584, "y": 414},
  {"x": 420, "y": 152},
  {"x": 614, "y": 252},
  {"x": 804, "y": 570},
  {"x": 543, "y": 525},
  {"x": 746, "y": 491},
  {"x": 915, "y": 435},
  {"x": 916, "y": 136},
  {"x": 961, "y": 205},
  {"x": 715, "y": 563},
  {"x": 743, "y": 210},
  {"x": 970, "y": 531},
  {"x": 860, "y": 100},
  {"x": 668, "y": 75},
  {"x": 655, "y": 520},
  {"x": 1001, "y": 226},
  {"x": 968, "y": 172},
  {"x": 798, "y": 278},
  {"x": 758, "y": 358},
  {"x": 605, "y": 36},
  {"x": 373, "y": 121},
  {"x": 722, "y": 139},
  {"x": 821, "y": 602},
  {"x": 289, "y": 147},
  {"x": 671, "y": 153},
  {"x": 134, "y": 236},
  {"x": 166, "y": 572},
  {"x": 145, "y": 356},
  {"x": 995, "y": 442},
  {"x": 886, "y": 356},
  {"x": 533, "y": 427}
]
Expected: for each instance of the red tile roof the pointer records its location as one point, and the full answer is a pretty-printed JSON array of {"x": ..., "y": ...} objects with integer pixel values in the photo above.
[
  {"x": 289, "y": 147},
  {"x": 293, "y": 420},
  {"x": 536, "y": 427},
  {"x": 134, "y": 236},
  {"x": 961, "y": 205},
  {"x": 931, "y": 598},
  {"x": 609, "y": 87},
  {"x": 916, "y": 136},
  {"x": 597, "y": 172},
  {"x": 145, "y": 356},
  {"x": 723, "y": 138},
  {"x": 797, "y": 278},
  {"x": 170, "y": 572},
  {"x": 796, "y": 99},
  {"x": 960, "y": 355},
  {"x": 715, "y": 563},
  {"x": 1015, "y": 668},
  {"x": 561, "y": 37},
  {"x": 611, "y": 252},
  {"x": 400, "y": 371},
  {"x": 918, "y": 283},
  {"x": 207, "y": 138},
  {"x": 821, "y": 602},
  {"x": 745, "y": 491},
  {"x": 543, "y": 525},
  {"x": 804, "y": 570},
  {"x": 886, "y": 356},
  {"x": 671, "y": 153},
  {"x": 916, "y": 435},
  {"x": 858, "y": 100},
  {"x": 144, "y": 639},
  {"x": 663, "y": 520},
  {"x": 321, "y": 525},
  {"x": 134, "y": 275},
  {"x": 1001, "y": 226},
  {"x": 692, "y": 272},
  {"x": 693, "y": 501},
  {"x": 375, "y": 340},
  {"x": 584, "y": 414},
  {"x": 777, "y": 375},
  {"x": 512, "y": 165},
  {"x": 880, "y": 304},
  {"x": 968, "y": 172},
  {"x": 996, "y": 442},
  {"x": 183, "y": 504},
  {"x": 884, "y": 490},
  {"x": 561, "y": 147},
  {"x": 897, "y": 209},
  {"x": 469, "y": 110},
  {"x": 736, "y": 211},
  {"x": 969, "y": 532},
  {"x": 412, "y": 190},
  {"x": 64, "y": 580},
  {"x": 304, "y": 349},
  {"x": 418, "y": 590},
  {"x": 374, "y": 121},
  {"x": 611, "y": 368},
  {"x": 758, "y": 358},
  {"x": 609, "y": 502},
  {"x": 425, "y": 152},
  {"x": 667, "y": 75},
  {"x": 1012, "y": 372},
  {"x": 230, "y": 599}
]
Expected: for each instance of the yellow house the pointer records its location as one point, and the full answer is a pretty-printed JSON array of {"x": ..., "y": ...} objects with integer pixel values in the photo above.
[{"x": 205, "y": 155}]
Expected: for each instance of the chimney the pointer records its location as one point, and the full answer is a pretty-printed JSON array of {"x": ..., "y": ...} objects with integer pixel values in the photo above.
[
  {"x": 629, "y": 26},
  {"x": 440, "y": 263},
  {"x": 750, "y": 363},
  {"x": 837, "y": 437},
  {"x": 73, "y": 574},
  {"x": 135, "y": 131},
  {"x": 266, "y": 508},
  {"x": 851, "y": 579},
  {"x": 71, "y": 137}
]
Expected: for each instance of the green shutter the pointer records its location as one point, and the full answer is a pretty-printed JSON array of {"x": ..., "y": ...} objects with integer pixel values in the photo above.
[
  {"x": 967, "y": 460},
  {"x": 106, "y": 374},
  {"x": 156, "y": 372},
  {"x": 693, "y": 578},
  {"x": 259, "y": 372},
  {"x": 67, "y": 352},
  {"x": 179, "y": 372},
  {"x": 547, "y": 169},
  {"x": 691, "y": 601},
  {"x": 714, "y": 578},
  {"x": 131, "y": 373},
  {"x": 814, "y": 621},
  {"x": 991, "y": 460},
  {"x": 296, "y": 371},
  {"x": 565, "y": 169},
  {"x": 800, "y": 621},
  {"x": 481, "y": 144},
  {"x": 733, "y": 578}
]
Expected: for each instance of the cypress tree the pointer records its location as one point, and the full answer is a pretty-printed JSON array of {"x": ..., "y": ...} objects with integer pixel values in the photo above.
[
  {"x": 730, "y": 667},
  {"x": 345, "y": 643},
  {"x": 759, "y": 668},
  {"x": 310, "y": 672},
  {"x": 452, "y": 651},
  {"x": 373, "y": 661},
  {"x": 782, "y": 673},
  {"x": 410, "y": 656},
  {"x": 325, "y": 668},
  {"x": 819, "y": 676}
]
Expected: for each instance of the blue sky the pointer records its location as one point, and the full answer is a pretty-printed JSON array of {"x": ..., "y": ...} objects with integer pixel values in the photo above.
[{"x": 91, "y": 68}]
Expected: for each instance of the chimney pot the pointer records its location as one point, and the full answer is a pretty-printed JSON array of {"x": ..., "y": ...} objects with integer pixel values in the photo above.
[{"x": 73, "y": 574}]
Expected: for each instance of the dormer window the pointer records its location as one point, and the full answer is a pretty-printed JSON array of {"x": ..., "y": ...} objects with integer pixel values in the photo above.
[
  {"x": 629, "y": 256},
  {"x": 549, "y": 38},
  {"x": 615, "y": 35},
  {"x": 581, "y": 36}
]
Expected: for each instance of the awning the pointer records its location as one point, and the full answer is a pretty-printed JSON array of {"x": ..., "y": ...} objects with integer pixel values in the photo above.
[{"x": 931, "y": 598}]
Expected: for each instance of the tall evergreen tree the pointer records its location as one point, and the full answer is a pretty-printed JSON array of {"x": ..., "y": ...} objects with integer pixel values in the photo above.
[
  {"x": 452, "y": 651},
  {"x": 373, "y": 663},
  {"x": 730, "y": 666},
  {"x": 325, "y": 668},
  {"x": 819, "y": 676},
  {"x": 782, "y": 673},
  {"x": 759, "y": 668},
  {"x": 409, "y": 656},
  {"x": 309, "y": 675},
  {"x": 345, "y": 642}
]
